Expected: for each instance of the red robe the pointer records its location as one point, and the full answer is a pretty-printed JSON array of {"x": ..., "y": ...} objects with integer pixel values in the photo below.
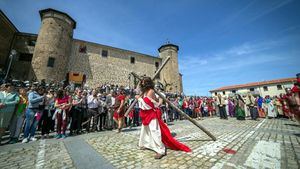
[{"x": 167, "y": 138}]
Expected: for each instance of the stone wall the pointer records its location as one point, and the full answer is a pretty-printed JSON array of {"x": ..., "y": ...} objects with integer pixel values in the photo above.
[
  {"x": 7, "y": 31},
  {"x": 55, "y": 41},
  {"x": 115, "y": 68},
  {"x": 21, "y": 66}
]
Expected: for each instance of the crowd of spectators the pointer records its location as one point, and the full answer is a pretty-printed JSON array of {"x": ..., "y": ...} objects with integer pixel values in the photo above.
[{"x": 66, "y": 111}]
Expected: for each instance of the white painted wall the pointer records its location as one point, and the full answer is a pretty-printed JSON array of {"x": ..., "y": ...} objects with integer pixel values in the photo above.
[{"x": 272, "y": 90}]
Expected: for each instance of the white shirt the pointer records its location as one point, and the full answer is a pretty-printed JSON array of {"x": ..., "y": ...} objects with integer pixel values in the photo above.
[
  {"x": 113, "y": 101},
  {"x": 92, "y": 102}
]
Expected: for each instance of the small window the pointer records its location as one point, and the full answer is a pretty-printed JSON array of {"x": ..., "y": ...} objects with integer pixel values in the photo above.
[
  {"x": 251, "y": 89},
  {"x": 104, "y": 53},
  {"x": 51, "y": 62},
  {"x": 31, "y": 43},
  {"x": 156, "y": 65},
  {"x": 82, "y": 49},
  {"x": 233, "y": 91},
  {"x": 223, "y": 92},
  {"x": 216, "y": 93},
  {"x": 132, "y": 60},
  {"x": 25, "y": 57},
  {"x": 279, "y": 87},
  {"x": 265, "y": 88}
]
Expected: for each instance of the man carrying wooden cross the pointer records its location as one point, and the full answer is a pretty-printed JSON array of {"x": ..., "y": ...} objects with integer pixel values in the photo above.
[{"x": 155, "y": 134}]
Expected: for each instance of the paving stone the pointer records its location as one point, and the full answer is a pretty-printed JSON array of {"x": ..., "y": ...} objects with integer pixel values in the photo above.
[{"x": 122, "y": 152}]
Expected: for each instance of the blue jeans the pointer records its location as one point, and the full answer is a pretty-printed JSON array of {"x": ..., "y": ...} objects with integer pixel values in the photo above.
[{"x": 30, "y": 123}]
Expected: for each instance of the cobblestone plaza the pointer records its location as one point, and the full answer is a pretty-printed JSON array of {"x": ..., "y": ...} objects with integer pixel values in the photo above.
[{"x": 267, "y": 143}]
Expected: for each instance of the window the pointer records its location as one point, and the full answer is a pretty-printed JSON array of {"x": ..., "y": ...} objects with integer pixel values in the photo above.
[
  {"x": 26, "y": 57},
  {"x": 132, "y": 60},
  {"x": 156, "y": 65},
  {"x": 31, "y": 43},
  {"x": 233, "y": 91},
  {"x": 51, "y": 62},
  {"x": 265, "y": 88},
  {"x": 104, "y": 53},
  {"x": 251, "y": 89},
  {"x": 216, "y": 93},
  {"x": 82, "y": 49},
  {"x": 279, "y": 87},
  {"x": 223, "y": 92}
]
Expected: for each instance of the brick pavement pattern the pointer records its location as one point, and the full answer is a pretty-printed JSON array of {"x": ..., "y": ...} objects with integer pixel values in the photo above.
[{"x": 267, "y": 143}]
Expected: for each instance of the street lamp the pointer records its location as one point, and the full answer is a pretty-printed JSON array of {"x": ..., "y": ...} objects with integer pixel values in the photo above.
[{"x": 13, "y": 53}]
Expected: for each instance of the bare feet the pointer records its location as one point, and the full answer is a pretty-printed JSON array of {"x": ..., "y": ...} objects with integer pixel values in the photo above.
[{"x": 158, "y": 156}]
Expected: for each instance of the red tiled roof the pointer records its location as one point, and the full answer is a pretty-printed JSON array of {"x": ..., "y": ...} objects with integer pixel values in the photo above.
[{"x": 247, "y": 85}]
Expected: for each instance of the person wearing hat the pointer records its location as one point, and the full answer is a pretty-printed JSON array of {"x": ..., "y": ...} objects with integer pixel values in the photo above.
[{"x": 8, "y": 101}]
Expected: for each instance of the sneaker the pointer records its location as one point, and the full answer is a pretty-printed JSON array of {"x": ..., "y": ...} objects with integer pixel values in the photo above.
[
  {"x": 25, "y": 140},
  {"x": 32, "y": 139},
  {"x": 58, "y": 136},
  {"x": 63, "y": 136}
]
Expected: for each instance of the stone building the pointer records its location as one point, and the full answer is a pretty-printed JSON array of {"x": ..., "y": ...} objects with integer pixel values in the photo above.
[
  {"x": 271, "y": 88},
  {"x": 54, "y": 55}
]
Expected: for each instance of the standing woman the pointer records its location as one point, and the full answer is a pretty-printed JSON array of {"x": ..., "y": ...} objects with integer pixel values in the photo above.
[
  {"x": 62, "y": 105},
  {"x": 260, "y": 102},
  {"x": 239, "y": 108},
  {"x": 46, "y": 119},
  {"x": 8, "y": 101},
  {"x": 231, "y": 108},
  {"x": 119, "y": 109},
  {"x": 18, "y": 117},
  {"x": 271, "y": 108}
]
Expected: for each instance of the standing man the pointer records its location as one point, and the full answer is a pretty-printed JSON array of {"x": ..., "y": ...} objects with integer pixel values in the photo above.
[
  {"x": 251, "y": 106},
  {"x": 155, "y": 135},
  {"x": 294, "y": 99},
  {"x": 221, "y": 105},
  {"x": 35, "y": 98},
  {"x": 102, "y": 110},
  {"x": 93, "y": 104},
  {"x": 77, "y": 112},
  {"x": 8, "y": 101},
  {"x": 110, "y": 101}
]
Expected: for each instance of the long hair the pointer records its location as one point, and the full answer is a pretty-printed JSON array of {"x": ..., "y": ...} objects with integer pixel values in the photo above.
[
  {"x": 60, "y": 94},
  {"x": 146, "y": 84}
]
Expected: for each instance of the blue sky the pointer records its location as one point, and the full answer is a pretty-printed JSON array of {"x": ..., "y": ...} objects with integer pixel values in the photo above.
[{"x": 222, "y": 42}]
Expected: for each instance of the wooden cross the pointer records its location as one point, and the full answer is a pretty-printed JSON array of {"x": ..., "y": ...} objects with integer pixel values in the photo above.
[{"x": 169, "y": 103}]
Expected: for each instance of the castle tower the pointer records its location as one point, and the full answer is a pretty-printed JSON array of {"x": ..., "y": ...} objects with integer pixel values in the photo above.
[
  {"x": 53, "y": 46},
  {"x": 170, "y": 76}
]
